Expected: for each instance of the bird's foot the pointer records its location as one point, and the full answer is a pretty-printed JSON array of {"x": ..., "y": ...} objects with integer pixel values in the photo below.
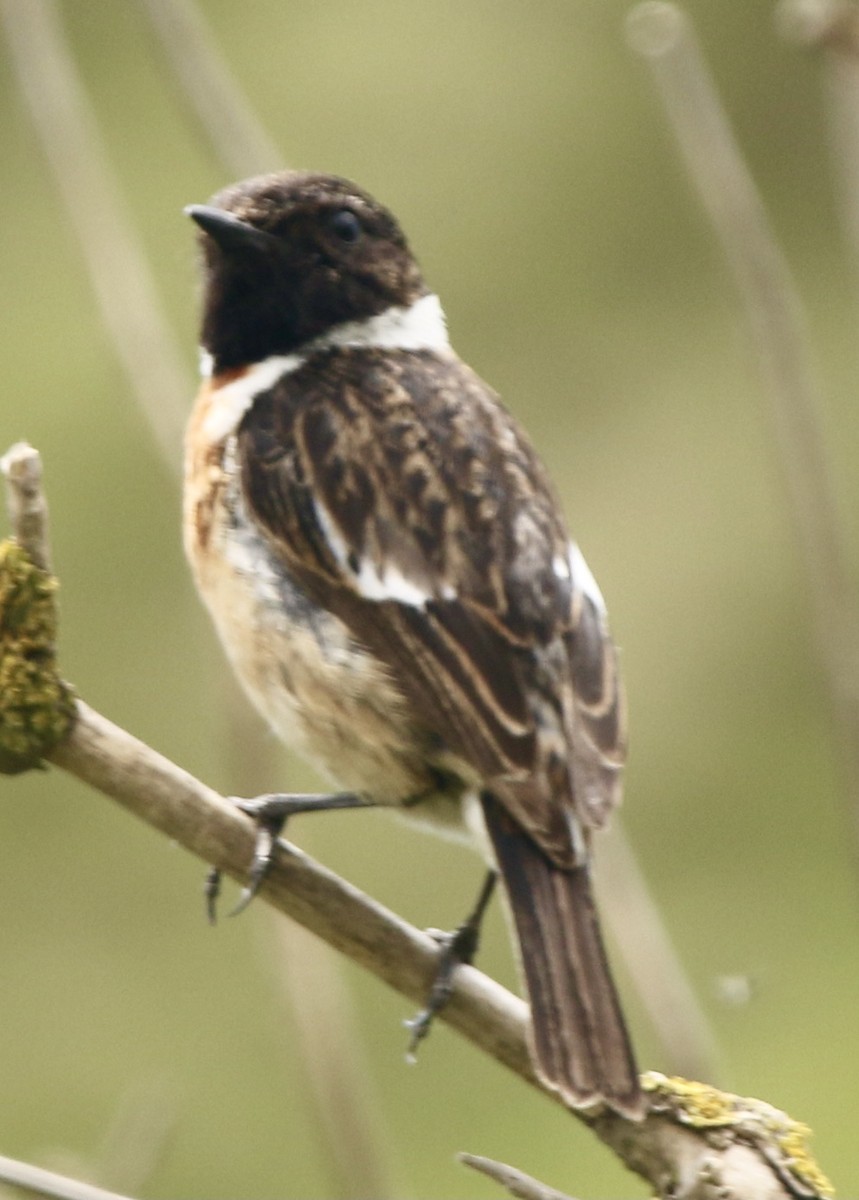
[
  {"x": 457, "y": 948},
  {"x": 270, "y": 814}
]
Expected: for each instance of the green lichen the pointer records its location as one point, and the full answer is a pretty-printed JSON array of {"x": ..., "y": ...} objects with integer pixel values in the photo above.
[
  {"x": 775, "y": 1135},
  {"x": 36, "y": 706}
]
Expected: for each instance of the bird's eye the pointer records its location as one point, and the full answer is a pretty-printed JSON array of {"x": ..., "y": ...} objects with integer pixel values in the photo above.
[{"x": 346, "y": 225}]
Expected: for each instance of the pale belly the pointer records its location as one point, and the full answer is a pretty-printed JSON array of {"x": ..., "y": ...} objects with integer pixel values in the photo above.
[{"x": 320, "y": 691}]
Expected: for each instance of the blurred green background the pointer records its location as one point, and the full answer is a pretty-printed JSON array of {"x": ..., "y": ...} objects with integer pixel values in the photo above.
[{"x": 524, "y": 150}]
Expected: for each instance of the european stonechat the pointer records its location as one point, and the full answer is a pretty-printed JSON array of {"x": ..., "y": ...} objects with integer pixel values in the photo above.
[{"x": 387, "y": 565}]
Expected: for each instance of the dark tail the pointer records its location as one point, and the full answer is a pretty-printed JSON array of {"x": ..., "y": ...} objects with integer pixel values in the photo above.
[{"x": 580, "y": 1045}]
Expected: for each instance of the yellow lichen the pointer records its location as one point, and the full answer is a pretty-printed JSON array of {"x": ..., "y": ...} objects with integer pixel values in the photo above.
[
  {"x": 793, "y": 1138},
  {"x": 36, "y": 706},
  {"x": 696, "y": 1104},
  {"x": 780, "y": 1139}
]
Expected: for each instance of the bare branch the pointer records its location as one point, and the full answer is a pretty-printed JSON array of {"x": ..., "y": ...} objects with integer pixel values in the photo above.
[
  {"x": 237, "y": 139},
  {"x": 36, "y": 705},
  {"x": 516, "y": 1182},
  {"x": 21, "y": 466},
  {"x": 184, "y": 809}
]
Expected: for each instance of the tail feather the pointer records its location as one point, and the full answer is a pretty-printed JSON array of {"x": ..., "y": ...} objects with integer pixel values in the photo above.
[{"x": 581, "y": 1047}]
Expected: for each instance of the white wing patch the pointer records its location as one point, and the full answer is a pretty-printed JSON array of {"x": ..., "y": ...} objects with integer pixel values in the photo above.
[
  {"x": 390, "y": 585},
  {"x": 372, "y": 584},
  {"x": 583, "y": 579},
  {"x": 561, "y": 567}
]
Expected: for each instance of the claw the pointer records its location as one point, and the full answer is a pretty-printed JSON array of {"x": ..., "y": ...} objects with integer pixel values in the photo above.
[
  {"x": 270, "y": 814},
  {"x": 269, "y": 829},
  {"x": 419, "y": 1026},
  {"x": 246, "y": 895},
  {"x": 458, "y": 947},
  {"x": 211, "y": 891}
]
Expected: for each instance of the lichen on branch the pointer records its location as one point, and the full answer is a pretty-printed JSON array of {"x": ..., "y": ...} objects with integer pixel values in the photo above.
[
  {"x": 37, "y": 707},
  {"x": 783, "y": 1142}
]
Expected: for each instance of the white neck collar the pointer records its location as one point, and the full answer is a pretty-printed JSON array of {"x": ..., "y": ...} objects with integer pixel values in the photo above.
[{"x": 417, "y": 326}]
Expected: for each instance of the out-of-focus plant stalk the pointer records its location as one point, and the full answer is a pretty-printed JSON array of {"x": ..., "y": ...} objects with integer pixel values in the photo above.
[
  {"x": 113, "y": 254},
  {"x": 663, "y": 34},
  {"x": 832, "y": 26},
  {"x": 239, "y": 143},
  {"x": 35, "y": 1181}
]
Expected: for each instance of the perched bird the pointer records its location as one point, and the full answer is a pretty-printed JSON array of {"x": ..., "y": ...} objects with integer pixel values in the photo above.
[{"x": 387, "y": 565}]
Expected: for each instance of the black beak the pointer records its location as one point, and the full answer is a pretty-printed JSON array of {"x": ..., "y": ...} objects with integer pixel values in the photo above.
[{"x": 228, "y": 232}]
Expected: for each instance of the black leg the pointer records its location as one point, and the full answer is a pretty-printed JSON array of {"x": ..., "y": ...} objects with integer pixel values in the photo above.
[
  {"x": 457, "y": 947},
  {"x": 279, "y": 806},
  {"x": 211, "y": 891},
  {"x": 270, "y": 813}
]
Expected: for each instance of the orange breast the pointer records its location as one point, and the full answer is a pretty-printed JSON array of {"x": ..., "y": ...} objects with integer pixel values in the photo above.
[
  {"x": 203, "y": 476},
  {"x": 204, "y": 464}
]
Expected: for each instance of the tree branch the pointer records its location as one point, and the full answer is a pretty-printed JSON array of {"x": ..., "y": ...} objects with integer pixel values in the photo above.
[
  {"x": 171, "y": 800},
  {"x": 756, "y": 1150},
  {"x": 673, "y": 1142},
  {"x": 516, "y": 1182},
  {"x": 25, "y": 502}
]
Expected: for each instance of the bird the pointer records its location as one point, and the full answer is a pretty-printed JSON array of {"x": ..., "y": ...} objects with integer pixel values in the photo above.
[{"x": 386, "y": 562}]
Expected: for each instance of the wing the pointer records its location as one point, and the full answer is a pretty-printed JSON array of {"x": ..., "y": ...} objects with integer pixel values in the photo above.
[{"x": 405, "y": 499}]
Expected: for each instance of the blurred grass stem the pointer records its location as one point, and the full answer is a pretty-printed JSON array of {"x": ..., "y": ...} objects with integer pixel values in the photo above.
[
  {"x": 345, "y": 1107},
  {"x": 830, "y": 23},
  {"x": 516, "y": 1182},
  {"x": 119, "y": 272},
  {"x": 37, "y": 1182},
  {"x": 832, "y": 26},
  {"x": 663, "y": 34},
  {"x": 236, "y": 137},
  {"x": 686, "y": 1038},
  {"x": 319, "y": 1018}
]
